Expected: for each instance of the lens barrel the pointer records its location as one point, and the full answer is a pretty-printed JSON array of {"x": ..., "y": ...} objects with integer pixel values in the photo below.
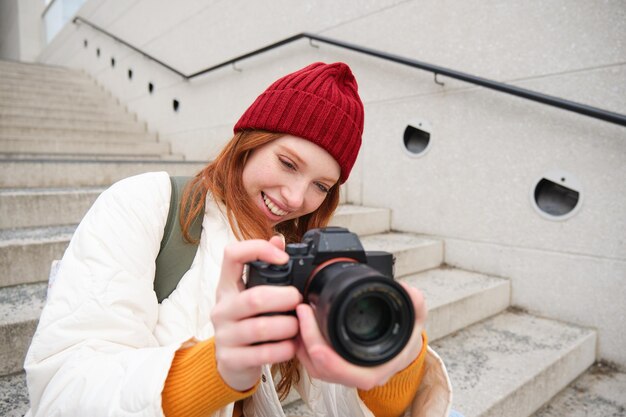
[{"x": 367, "y": 317}]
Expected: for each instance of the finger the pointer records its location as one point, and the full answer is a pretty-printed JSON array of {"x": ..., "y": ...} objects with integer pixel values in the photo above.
[
  {"x": 419, "y": 303},
  {"x": 243, "y": 358},
  {"x": 278, "y": 240},
  {"x": 328, "y": 365},
  {"x": 258, "y": 329},
  {"x": 305, "y": 359},
  {"x": 238, "y": 253},
  {"x": 310, "y": 333},
  {"x": 320, "y": 353},
  {"x": 258, "y": 300}
]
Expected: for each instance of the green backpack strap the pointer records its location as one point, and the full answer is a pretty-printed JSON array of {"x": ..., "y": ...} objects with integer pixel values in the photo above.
[{"x": 176, "y": 254}]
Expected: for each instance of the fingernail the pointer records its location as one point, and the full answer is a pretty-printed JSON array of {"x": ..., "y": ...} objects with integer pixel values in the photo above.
[{"x": 281, "y": 236}]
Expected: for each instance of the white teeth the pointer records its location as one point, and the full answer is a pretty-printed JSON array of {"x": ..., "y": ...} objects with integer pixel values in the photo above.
[{"x": 275, "y": 210}]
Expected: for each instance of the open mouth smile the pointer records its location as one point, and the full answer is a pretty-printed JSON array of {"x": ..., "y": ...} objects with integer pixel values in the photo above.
[{"x": 272, "y": 207}]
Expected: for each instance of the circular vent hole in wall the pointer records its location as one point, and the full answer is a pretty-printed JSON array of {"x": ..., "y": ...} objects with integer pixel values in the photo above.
[
  {"x": 416, "y": 138},
  {"x": 557, "y": 195}
]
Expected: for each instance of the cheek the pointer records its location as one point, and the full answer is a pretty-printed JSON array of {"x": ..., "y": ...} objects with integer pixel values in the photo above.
[
  {"x": 254, "y": 179},
  {"x": 314, "y": 201}
]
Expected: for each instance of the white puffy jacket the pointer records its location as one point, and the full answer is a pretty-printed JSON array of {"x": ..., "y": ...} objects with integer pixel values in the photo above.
[{"x": 104, "y": 345}]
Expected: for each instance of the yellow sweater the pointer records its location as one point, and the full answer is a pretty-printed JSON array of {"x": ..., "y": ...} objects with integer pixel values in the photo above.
[{"x": 194, "y": 387}]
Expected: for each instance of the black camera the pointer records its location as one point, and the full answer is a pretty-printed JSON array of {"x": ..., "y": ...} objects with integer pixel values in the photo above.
[{"x": 362, "y": 312}]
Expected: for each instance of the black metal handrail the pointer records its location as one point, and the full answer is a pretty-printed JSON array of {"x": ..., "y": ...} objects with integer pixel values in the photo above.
[{"x": 560, "y": 103}]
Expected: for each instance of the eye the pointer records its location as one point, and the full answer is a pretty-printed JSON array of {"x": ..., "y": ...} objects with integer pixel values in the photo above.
[
  {"x": 287, "y": 164},
  {"x": 322, "y": 187}
]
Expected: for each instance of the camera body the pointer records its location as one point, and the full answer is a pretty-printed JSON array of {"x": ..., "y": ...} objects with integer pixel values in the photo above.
[{"x": 362, "y": 312}]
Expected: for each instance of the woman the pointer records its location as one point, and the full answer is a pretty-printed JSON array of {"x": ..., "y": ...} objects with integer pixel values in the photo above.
[{"x": 104, "y": 346}]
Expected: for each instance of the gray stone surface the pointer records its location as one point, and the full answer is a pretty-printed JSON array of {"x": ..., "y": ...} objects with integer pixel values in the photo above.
[
  {"x": 73, "y": 134},
  {"x": 45, "y": 207},
  {"x": 362, "y": 220},
  {"x": 65, "y": 149},
  {"x": 76, "y": 113},
  {"x": 13, "y": 395},
  {"x": 20, "y": 308},
  {"x": 457, "y": 298},
  {"x": 599, "y": 392},
  {"x": 77, "y": 173},
  {"x": 25, "y": 254},
  {"x": 413, "y": 253},
  {"x": 513, "y": 363}
]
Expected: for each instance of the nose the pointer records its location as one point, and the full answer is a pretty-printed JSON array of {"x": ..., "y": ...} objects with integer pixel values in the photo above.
[{"x": 293, "y": 194}]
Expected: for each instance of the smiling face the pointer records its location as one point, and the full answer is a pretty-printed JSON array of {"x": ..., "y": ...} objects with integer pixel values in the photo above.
[{"x": 289, "y": 177}]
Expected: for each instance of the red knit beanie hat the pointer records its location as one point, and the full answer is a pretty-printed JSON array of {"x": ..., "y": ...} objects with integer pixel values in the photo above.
[{"x": 320, "y": 103}]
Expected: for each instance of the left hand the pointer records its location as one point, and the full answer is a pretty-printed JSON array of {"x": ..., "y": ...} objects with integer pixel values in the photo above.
[{"x": 322, "y": 362}]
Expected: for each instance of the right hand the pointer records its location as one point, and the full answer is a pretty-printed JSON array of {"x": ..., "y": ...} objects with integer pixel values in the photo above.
[{"x": 244, "y": 338}]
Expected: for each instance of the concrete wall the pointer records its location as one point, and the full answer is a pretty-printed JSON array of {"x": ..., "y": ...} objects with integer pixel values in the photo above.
[
  {"x": 9, "y": 30},
  {"x": 20, "y": 35},
  {"x": 473, "y": 185}
]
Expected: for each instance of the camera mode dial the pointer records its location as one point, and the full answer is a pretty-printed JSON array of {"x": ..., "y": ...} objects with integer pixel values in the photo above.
[
  {"x": 297, "y": 249},
  {"x": 274, "y": 274}
]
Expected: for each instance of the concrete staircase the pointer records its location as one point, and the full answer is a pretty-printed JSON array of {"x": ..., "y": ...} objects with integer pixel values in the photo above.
[
  {"x": 62, "y": 141},
  {"x": 502, "y": 361}
]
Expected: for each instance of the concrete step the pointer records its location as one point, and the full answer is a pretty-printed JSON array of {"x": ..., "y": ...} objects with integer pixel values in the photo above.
[
  {"x": 90, "y": 157},
  {"x": 61, "y": 127},
  {"x": 41, "y": 207},
  {"x": 87, "y": 135},
  {"x": 362, "y": 220},
  {"x": 413, "y": 253},
  {"x": 67, "y": 106},
  {"x": 27, "y": 73},
  {"x": 69, "y": 81},
  {"x": 58, "y": 100},
  {"x": 599, "y": 392},
  {"x": 11, "y": 87},
  {"x": 125, "y": 125},
  {"x": 457, "y": 298},
  {"x": 13, "y": 395},
  {"x": 513, "y": 363},
  {"x": 13, "y": 93},
  {"x": 31, "y": 85},
  {"x": 20, "y": 308},
  {"x": 7, "y": 65},
  {"x": 80, "y": 148},
  {"x": 83, "y": 173},
  {"x": 109, "y": 113},
  {"x": 26, "y": 254}
]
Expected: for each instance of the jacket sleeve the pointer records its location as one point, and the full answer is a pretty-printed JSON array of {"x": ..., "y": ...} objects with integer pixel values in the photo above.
[{"x": 94, "y": 352}]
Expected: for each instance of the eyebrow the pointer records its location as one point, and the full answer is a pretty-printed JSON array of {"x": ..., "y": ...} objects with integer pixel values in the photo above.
[{"x": 293, "y": 154}]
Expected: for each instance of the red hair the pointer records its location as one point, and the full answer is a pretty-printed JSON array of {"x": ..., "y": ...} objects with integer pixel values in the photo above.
[{"x": 223, "y": 179}]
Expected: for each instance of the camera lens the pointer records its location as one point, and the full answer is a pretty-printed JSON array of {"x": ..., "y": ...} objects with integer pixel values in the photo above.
[{"x": 365, "y": 316}]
